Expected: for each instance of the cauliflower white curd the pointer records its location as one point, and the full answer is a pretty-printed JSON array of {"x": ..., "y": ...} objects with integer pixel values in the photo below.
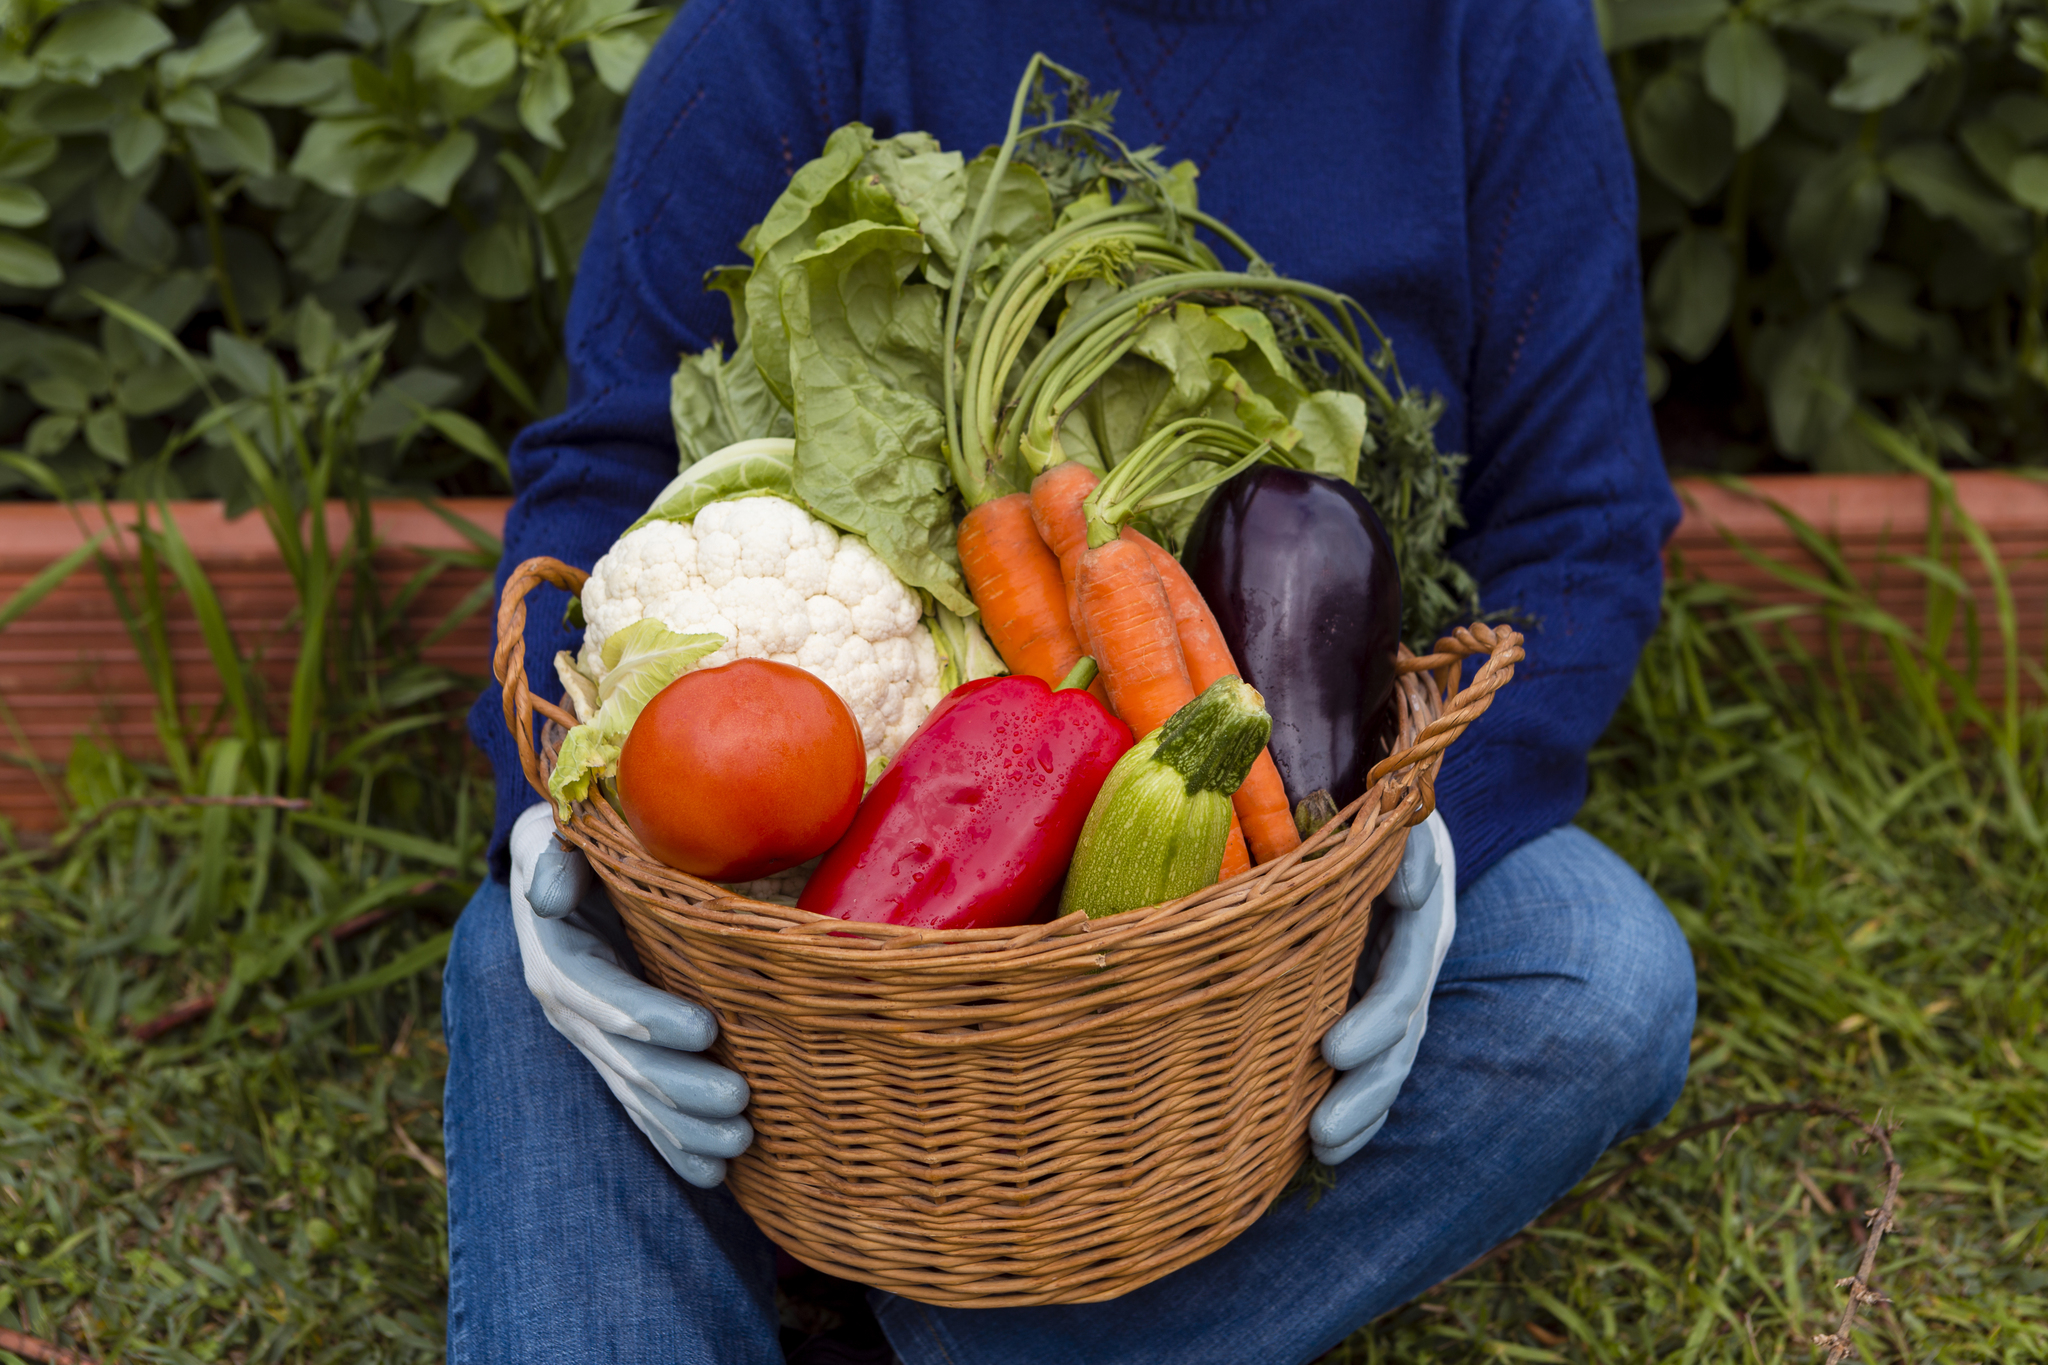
[{"x": 778, "y": 584}]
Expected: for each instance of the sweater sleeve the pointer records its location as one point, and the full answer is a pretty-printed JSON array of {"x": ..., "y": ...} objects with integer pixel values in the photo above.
[
  {"x": 1566, "y": 497},
  {"x": 737, "y": 94}
]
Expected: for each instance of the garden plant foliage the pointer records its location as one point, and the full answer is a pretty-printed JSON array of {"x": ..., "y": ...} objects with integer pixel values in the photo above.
[
  {"x": 1843, "y": 200},
  {"x": 232, "y": 170}
]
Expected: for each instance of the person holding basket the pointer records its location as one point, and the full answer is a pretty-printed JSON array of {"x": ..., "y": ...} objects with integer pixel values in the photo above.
[{"x": 1529, "y": 1002}]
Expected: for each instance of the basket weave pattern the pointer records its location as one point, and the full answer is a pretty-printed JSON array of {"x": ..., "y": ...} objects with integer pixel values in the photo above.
[{"x": 1052, "y": 1113}]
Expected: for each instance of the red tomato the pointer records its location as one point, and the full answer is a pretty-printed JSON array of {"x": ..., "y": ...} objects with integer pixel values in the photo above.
[{"x": 740, "y": 771}]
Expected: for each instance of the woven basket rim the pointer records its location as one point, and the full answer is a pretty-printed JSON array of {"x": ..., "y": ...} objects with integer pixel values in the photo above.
[{"x": 1403, "y": 778}]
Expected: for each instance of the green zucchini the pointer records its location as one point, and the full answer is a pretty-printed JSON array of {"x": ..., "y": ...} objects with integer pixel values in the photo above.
[{"x": 1157, "y": 829}]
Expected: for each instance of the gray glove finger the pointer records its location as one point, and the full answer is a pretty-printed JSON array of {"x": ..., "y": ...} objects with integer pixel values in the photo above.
[
  {"x": 683, "y": 1080},
  {"x": 715, "y": 1138},
  {"x": 1382, "y": 1018},
  {"x": 1419, "y": 871},
  {"x": 1333, "y": 1156},
  {"x": 596, "y": 913},
  {"x": 705, "y": 1172},
  {"x": 616, "y": 1000},
  {"x": 1362, "y": 1097},
  {"x": 561, "y": 877}
]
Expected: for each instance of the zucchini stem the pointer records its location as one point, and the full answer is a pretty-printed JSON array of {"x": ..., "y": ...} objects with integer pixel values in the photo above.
[{"x": 1213, "y": 741}]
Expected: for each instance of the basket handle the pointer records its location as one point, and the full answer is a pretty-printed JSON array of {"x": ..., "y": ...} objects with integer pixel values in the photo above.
[
  {"x": 508, "y": 664},
  {"x": 1503, "y": 647}
]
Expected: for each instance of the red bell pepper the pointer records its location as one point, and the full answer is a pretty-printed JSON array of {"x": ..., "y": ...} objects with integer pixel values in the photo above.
[{"x": 973, "y": 825}]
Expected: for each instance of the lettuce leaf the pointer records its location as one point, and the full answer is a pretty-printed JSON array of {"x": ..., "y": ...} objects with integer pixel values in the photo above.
[
  {"x": 714, "y": 402},
  {"x": 1023, "y": 212},
  {"x": 840, "y": 318},
  {"x": 731, "y": 281},
  {"x": 833, "y": 191},
  {"x": 864, "y": 357},
  {"x": 639, "y": 662},
  {"x": 928, "y": 183}
]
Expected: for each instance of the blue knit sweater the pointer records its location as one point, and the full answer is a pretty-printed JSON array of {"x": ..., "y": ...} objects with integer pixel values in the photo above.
[{"x": 1456, "y": 165}]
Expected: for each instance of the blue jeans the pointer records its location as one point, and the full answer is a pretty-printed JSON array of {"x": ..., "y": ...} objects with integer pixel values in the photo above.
[{"x": 1561, "y": 1023}]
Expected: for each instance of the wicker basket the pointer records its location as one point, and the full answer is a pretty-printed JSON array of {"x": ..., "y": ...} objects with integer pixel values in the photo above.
[{"x": 1052, "y": 1113}]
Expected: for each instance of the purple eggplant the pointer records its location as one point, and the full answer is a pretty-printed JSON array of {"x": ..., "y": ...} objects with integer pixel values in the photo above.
[{"x": 1301, "y": 576}]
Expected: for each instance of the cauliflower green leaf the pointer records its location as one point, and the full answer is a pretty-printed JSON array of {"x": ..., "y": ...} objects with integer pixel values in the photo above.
[
  {"x": 579, "y": 689},
  {"x": 639, "y": 662},
  {"x": 646, "y": 657},
  {"x": 964, "y": 651},
  {"x": 741, "y": 470}
]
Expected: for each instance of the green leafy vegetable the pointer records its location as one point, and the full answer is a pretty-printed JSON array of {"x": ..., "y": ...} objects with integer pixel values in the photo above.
[
  {"x": 765, "y": 466},
  {"x": 870, "y": 436},
  {"x": 930, "y": 330},
  {"x": 1333, "y": 433},
  {"x": 840, "y": 321},
  {"x": 927, "y": 183},
  {"x": 645, "y": 657},
  {"x": 715, "y": 402},
  {"x": 829, "y": 192},
  {"x": 964, "y": 651},
  {"x": 578, "y": 687}
]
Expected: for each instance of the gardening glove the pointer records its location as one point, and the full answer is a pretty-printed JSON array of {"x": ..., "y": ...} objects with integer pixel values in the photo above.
[
  {"x": 1373, "y": 1046},
  {"x": 643, "y": 1041}
]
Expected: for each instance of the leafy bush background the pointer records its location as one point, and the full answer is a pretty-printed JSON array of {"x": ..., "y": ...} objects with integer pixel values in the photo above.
[
  {"x": 255, "y": 177},
  {"x": 1841, "y": 200}
]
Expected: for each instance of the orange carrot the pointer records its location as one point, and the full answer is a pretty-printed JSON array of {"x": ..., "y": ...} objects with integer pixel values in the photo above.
[
  {"x": 1130, "y": 627},
  {"x": 1016, "y": 581},
  {"x": 1235, "y": 859},
  {"x": 1056, "y": 497},
  {"x": 1261, "y": 803},
  {"x": 1138, "y": 649}
]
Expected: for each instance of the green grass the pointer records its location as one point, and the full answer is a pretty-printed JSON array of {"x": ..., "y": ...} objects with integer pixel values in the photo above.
[
  {"x": 261, "y": 1183},
  {"x": 1861, "y": 873},
  {"x": 1865, "y": 898},
  {"x": 240, "y": 1192}
]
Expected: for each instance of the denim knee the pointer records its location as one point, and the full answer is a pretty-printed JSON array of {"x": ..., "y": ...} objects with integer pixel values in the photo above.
[
  {"x": 1623, "y": 997},
  {"x": 483, "y": 956},
  {"x": 1640, "y": 991}
]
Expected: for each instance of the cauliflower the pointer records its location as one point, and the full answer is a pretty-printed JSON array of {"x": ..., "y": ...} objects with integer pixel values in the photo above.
[{"x": 776, "y": 583}]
